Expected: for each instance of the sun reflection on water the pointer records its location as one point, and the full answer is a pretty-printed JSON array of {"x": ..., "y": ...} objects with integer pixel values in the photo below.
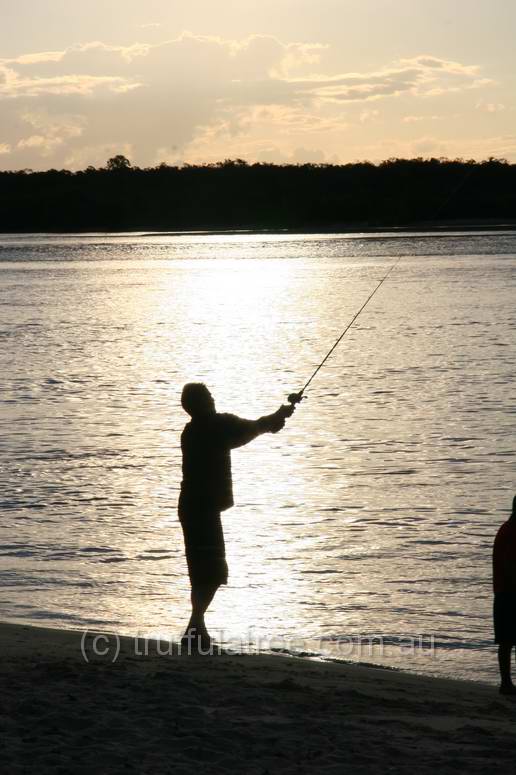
[{"x": 367, "y": 513}]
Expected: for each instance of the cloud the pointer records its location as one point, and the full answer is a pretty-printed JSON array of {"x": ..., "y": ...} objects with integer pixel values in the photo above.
[
  {"x": 291, "y": 119},
  {"x": 417, "y": 119},
  {"x": 50, "y": 132},
  {"x": 5, "y": 148},
  {"x": 247, "y": 133},
  {"x": 198, "y": 97},
  {"x": 367, "y": 116},
  {"x": 429, "y": 63},
  {"x": 34, "y": 59},
  {"x": 273, "y": 154},
  {"x": 96, "y": 155},
  {"x": 490, "y": 107},
  {"x": 502, "y": 146},
  {"x": 428, "y": 146},
  {"x": 420, "y": 76},
  {"x": 15, "y": 86},
  {"x": 147, "y": 96},
  {"x": 312, "y": 156}
]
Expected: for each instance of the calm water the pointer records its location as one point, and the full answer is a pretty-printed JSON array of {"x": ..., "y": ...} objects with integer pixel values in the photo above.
[{"x": 373, "y": 513}]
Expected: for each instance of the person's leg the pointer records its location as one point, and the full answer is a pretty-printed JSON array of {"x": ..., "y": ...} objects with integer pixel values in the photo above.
[
  {"x": 207, "y": 569},
  {"x": 504, "y": 663},
  {"x": 201, "y": 598}
]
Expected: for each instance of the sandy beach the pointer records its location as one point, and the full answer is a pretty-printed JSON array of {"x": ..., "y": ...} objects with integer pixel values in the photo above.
[{"x": 65, "y": 709}]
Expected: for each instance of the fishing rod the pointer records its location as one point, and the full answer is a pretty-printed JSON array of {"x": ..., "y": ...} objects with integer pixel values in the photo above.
[{"x": 295, "y": 398}]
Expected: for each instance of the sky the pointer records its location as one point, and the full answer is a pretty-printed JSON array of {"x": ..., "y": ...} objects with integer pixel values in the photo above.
[{"x": 281, "y": 81}]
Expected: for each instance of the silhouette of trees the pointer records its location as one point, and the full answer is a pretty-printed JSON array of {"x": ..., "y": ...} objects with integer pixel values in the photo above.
[
  {"x": 236, "y": 194},
  {"x": 117, "y": 163}
]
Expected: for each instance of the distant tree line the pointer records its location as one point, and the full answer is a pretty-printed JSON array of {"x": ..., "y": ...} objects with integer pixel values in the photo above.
[{"x": 235, "y": 194}]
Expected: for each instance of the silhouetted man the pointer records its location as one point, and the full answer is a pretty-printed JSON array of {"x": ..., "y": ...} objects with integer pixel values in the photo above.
[
  {"x": 504, "y": 587},
  {"x": 206, "y": 490}
]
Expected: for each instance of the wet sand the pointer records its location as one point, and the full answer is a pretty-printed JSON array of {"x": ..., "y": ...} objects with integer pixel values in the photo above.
[{"x": 234, "y": 713}]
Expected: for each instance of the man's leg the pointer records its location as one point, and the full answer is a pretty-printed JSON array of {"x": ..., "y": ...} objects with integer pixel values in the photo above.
[
  {"x": 504, "y": 663},
  {"x": 207, "y": 569},
  {"x": 201, "y": 598}
]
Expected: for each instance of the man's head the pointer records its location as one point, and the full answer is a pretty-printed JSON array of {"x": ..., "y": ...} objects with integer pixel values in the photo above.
[{"x": 197, "y": 400}]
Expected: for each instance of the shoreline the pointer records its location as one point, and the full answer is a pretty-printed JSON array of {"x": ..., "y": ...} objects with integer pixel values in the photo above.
[
  {"x": 432, "y": 228},
  {"x": 233, "y": 712}
]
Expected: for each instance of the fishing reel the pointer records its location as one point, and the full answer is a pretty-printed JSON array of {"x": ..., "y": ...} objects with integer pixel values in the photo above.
[{"x": 295, "y": 398}]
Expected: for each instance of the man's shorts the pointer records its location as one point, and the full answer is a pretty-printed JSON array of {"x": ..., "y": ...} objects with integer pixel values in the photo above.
[
  {"x": 504, "y": 615},
  {"x": 204, "y": 547}
]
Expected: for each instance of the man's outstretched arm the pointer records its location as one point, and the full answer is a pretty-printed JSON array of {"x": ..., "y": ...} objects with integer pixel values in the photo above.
[{"x": 241, "y": 432}]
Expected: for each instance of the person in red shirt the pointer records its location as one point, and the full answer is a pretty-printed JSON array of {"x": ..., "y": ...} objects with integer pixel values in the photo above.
[
  {"x": 504, "y": 588},
  {"x": 206, "y": 491}
]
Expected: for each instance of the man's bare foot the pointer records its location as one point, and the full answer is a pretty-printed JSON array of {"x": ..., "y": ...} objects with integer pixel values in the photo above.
[
  {"x": 507, "y": 689},
  {"x": 197, "y": 641}
]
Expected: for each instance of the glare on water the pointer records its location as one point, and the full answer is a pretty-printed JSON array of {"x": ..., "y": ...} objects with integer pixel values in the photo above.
[{"x": 372, "y": 513}]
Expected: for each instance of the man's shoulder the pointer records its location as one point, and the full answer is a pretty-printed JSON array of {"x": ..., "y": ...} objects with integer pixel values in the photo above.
[
  {"x": 227, "y": 418},
  {"x": 217, "y": 422},
  {"x": 231, "y": 422}
]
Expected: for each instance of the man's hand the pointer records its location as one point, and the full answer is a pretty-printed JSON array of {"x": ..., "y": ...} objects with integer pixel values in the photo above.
[
  {"x": 286, "y": 410},
  {"x": 279, "y": 417}
]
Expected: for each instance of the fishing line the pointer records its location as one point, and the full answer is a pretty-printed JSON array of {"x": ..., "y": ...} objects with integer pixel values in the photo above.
[
  {"x": 295, "y": 398},
  {"x": 455, "y": 191}
]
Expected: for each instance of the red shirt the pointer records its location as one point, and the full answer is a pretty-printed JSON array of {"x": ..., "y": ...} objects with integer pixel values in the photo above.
[{"x": 504, "y": 554}]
